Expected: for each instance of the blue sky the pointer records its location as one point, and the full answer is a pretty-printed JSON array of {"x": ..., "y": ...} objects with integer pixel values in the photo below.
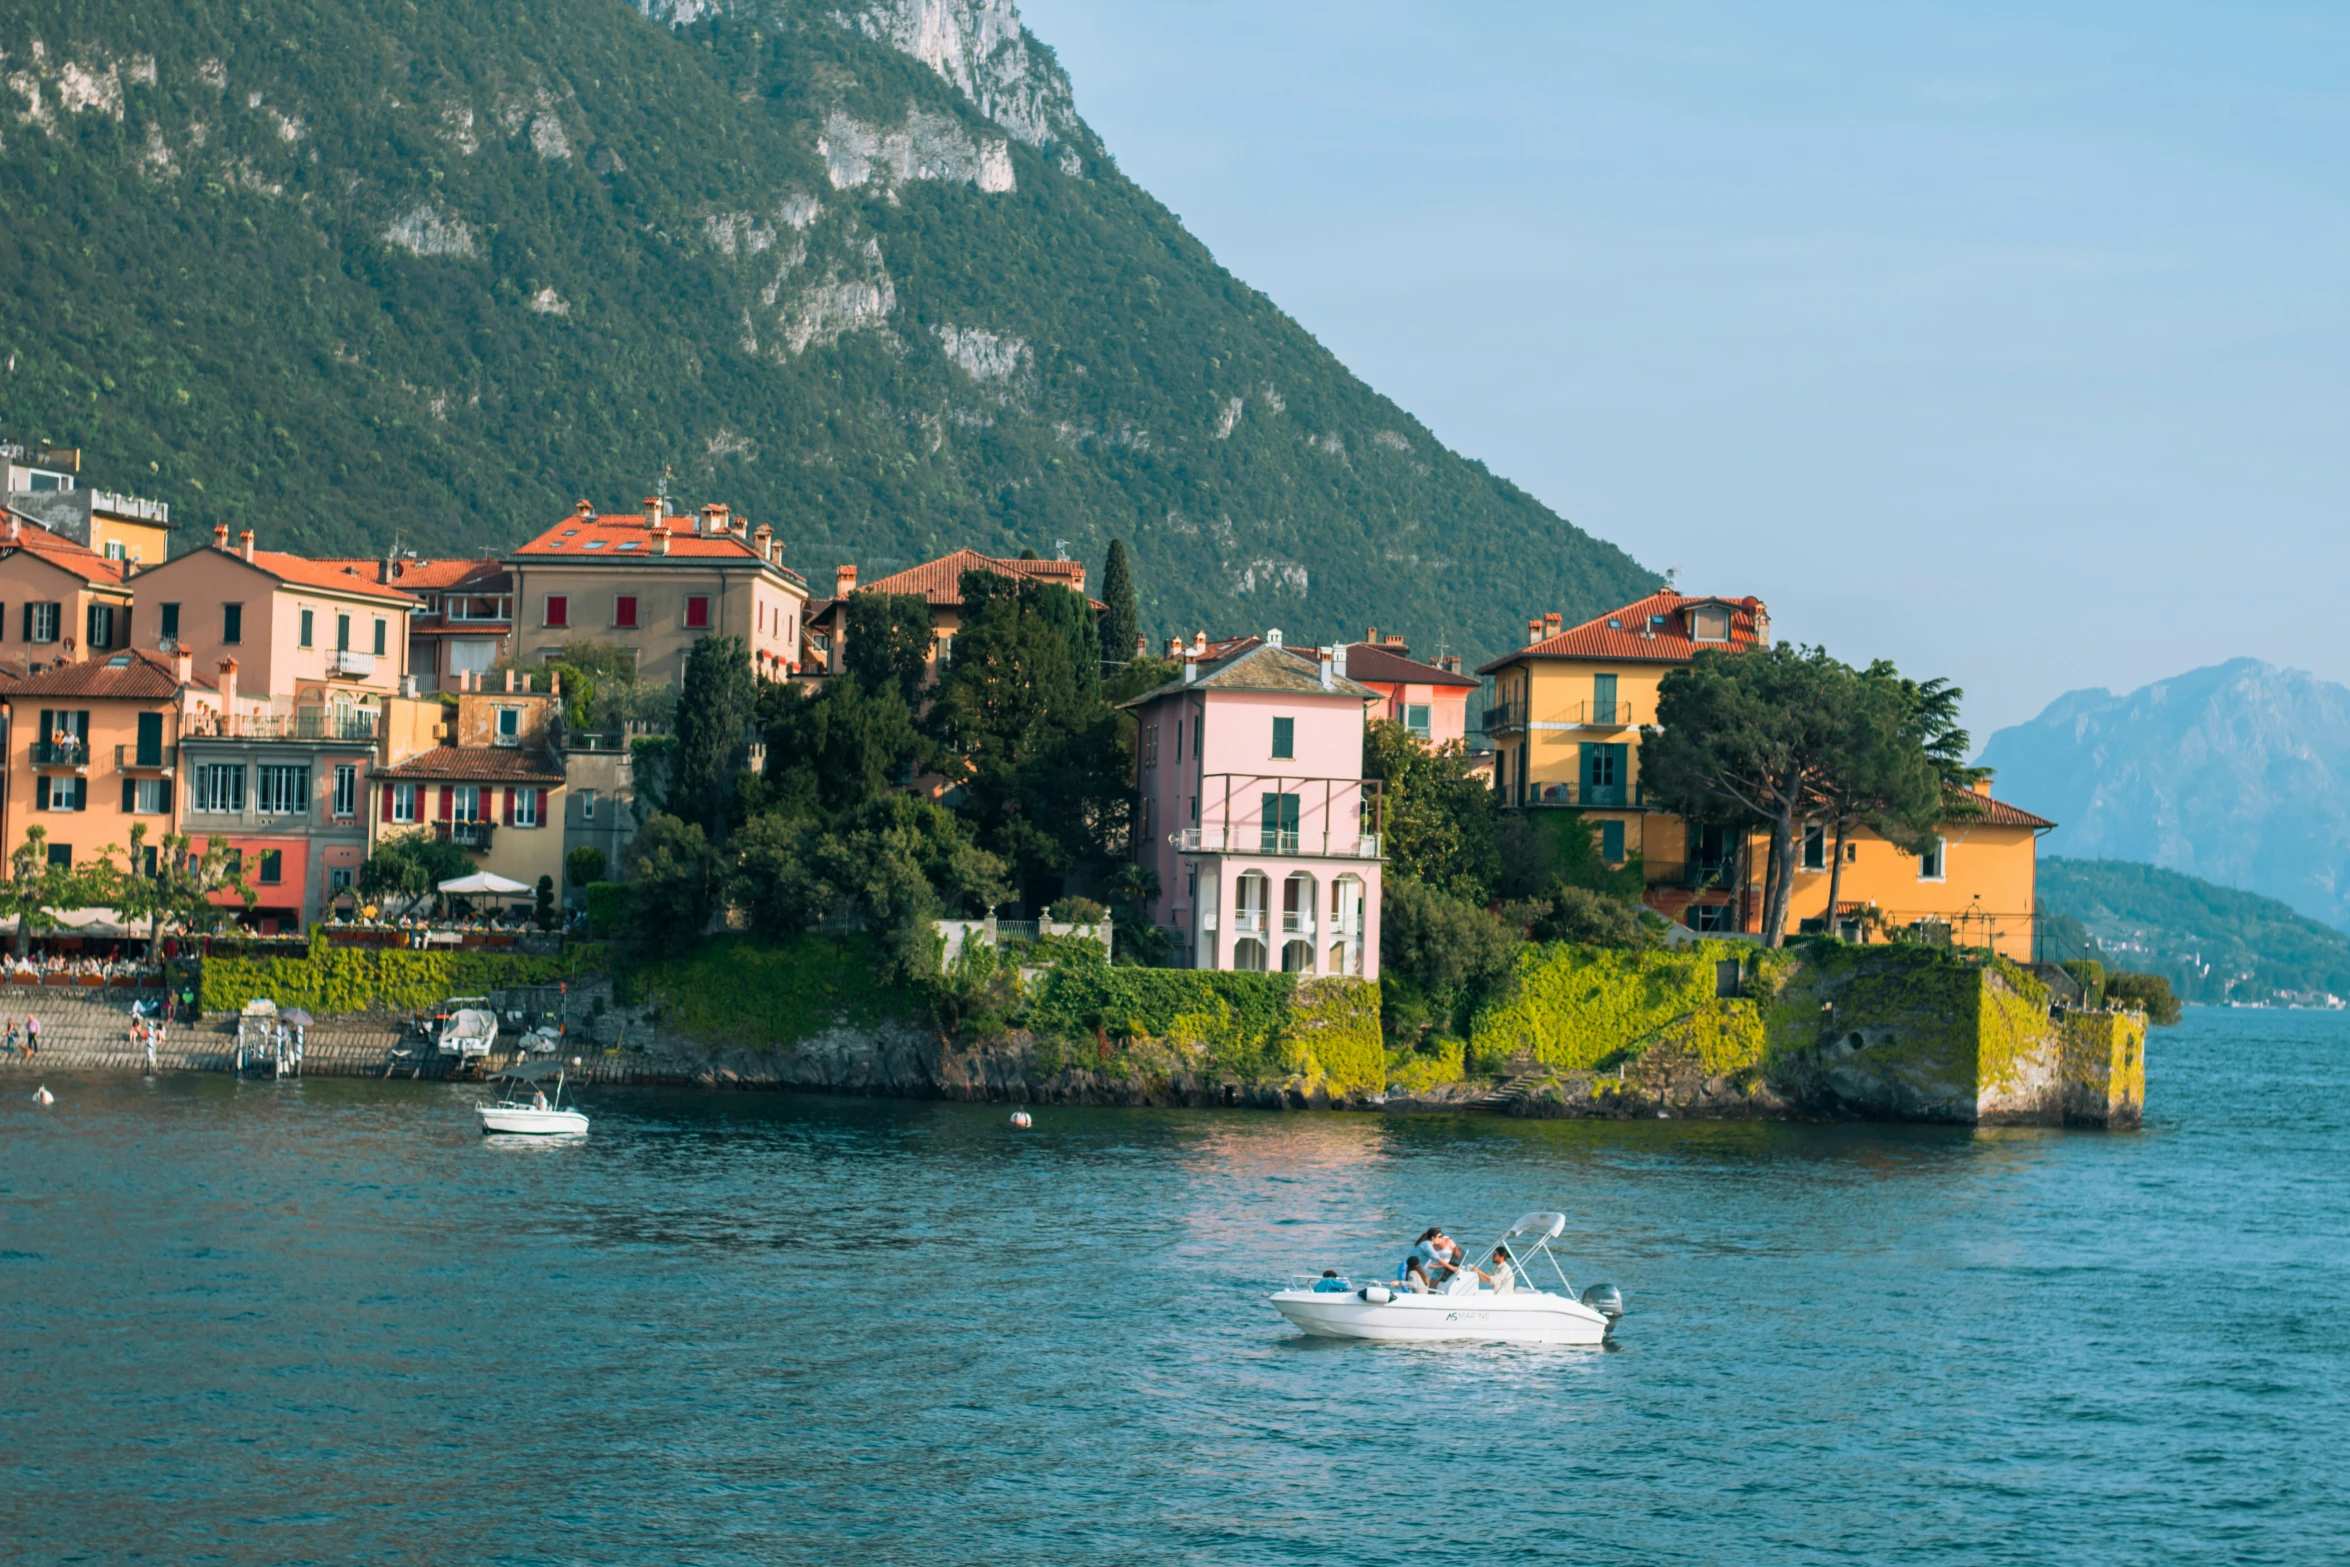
[{"x": 2009, "y": 342}]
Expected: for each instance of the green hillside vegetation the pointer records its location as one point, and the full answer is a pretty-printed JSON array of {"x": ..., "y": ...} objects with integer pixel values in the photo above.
[
  {"x": 352, "y": 275},
  {"x": 2212, "y": 943}
]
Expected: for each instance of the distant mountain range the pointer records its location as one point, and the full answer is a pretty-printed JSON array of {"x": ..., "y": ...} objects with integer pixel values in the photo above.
[
  {"x": 2238, "y": 774},
  {"x": 352, "y": 273},
  {"x": 2212, "y": 943}
]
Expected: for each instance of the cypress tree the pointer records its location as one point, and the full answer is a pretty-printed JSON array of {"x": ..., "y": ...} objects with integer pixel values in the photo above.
[{"x": 1121, "y": 620}]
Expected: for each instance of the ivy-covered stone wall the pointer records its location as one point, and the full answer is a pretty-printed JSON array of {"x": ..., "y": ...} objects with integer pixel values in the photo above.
[{"x": 330, "y": 979}]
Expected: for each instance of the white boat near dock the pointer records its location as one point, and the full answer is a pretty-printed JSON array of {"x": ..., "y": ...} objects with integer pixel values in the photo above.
[{"x": 1463, "y": 1309}]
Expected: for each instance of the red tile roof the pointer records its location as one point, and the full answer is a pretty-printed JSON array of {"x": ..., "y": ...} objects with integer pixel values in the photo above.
[
  {"x": 941, "y": 580},
  {"x": 333, "y": 576},
  {"x": 58, "y": 550},
  {"x": 1628, "y": 635},
  {"x": 1981, "y": 808},
  {"x": 1369, "y": 661},
  {"x": 129, "y": 675},
  {"x": 434, "y": 576},
  {"x": 622, "y": 537},
  {"x": 478, "y": 764}
]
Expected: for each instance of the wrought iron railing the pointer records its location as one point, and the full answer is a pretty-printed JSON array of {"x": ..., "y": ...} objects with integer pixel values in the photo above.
[
  {"x": 61, "y": 753},
  {"x": 152, "y": 758}
]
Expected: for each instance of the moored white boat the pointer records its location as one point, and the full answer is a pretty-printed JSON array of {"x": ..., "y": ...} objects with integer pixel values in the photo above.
[
  {"x": 1525, "y": 1314},
  {"x": 540, "y": 1116}
]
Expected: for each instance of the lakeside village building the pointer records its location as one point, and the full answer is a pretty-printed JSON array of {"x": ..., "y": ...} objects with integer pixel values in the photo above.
[{"x": 306, "y": 709}]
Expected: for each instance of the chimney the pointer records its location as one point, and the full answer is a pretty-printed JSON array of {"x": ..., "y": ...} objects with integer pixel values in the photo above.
[
  {"x": 652, "y": 511},
  {"x": 1552, "y": 622},
  {"x": 844, "y": 581},
  {"x": 383, "y": 569},
  {"x": 245, "y": 544},
  {"x": 183, "y": 664},
  {"x": 1323, "y": 656},
  {"x": 1371, "y": 635},
  {"x": 1142, "y": 647},
  {"x": 714, "y": 519},
  {"x": 220, "y": 535},
  {"x": 1450, "y": 663},
  {"x": 583, "y": 508},
  {"x": 1338, "y": 661},
  {"x": 1199, "y": 644},
  {"x": 1174, "y": 647},
  {"x": 1533, "y": 632},
  {"x": 228, "y": 688},
  {"x": 763, "y": 540},
  {"x": 660, "y": 538},
  {"x": 1190, "y": 665},
  {"x": 1273, "y": 637},
  {"x": 1982, "y": 787}
]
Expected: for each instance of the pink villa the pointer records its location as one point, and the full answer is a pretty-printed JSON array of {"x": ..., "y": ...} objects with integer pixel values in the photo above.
[{"x": 1256, "y": 818}]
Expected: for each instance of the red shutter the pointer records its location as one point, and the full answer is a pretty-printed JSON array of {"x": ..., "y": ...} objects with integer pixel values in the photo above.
[
  {"x": 542, "y": 816},
  {"x": 509, "y": 816},
  {"x": 448, "y": 803},
  {"x": 387, "y": 802}
]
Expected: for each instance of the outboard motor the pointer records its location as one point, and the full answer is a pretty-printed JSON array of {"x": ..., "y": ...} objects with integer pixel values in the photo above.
[{"x": 1607, "y": 1300}]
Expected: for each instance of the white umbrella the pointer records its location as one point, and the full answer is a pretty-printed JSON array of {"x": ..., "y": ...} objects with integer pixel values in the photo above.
[{"x": 483, "y": 881}]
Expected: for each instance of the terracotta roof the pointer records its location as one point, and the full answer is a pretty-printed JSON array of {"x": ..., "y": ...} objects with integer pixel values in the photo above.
[
  {"x": 1369, "y": 661},
  {"x": 60, "y": 551},
  {"x": 622, "y": 537},
  {"x": 478, "y": 764},
  {"x": 1993, "y": 813},
  {"x": 129, "y": 675},
  {"x": 941, "y": 580},
  {"x": 433, "y": 576},
  {"x": 333, "y": 576},
  {"x": 1626, "y": 635},
  {"x": 1260, "y": 668}
]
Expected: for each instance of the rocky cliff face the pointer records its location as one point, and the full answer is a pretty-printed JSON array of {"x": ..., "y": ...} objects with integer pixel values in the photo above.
[
  {"x": 2238, "y": 774},
  {"x": 353, "y": 275}
]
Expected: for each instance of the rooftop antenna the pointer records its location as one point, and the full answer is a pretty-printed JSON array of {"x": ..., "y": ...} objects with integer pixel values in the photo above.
[
  {"x": 661, "y": 488},
  {"x": 1672, "y": 579}
]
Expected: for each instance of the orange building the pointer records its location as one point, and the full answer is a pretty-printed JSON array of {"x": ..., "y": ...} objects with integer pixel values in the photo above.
[
  {"x": 93, "y": 747},
  {"x": 464, "y": 619},
  {"x": 59, "y": 600}
]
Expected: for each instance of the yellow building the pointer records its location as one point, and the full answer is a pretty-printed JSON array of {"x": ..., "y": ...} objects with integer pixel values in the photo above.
[
  {"x": 1565, "y": 724},
  {"x": 478, "y": 771}
]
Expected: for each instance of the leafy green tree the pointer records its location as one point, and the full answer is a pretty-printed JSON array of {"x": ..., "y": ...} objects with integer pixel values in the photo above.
[
  {"x": 1543, "y": 851},
  {"x": 583, "y": 865},
  {"x": 409, "y": 866},
  {"x": 675, "y": 888},
  {"x": 602, "y": 691},
  {"x": 715, "y": 711},
  {"x": 1439, "y": 956},
  {"x": 1588, "y": 918},
  {"x": 1121, "y": 620},
  {"x": 843, "y": 746},
  {"x": 170, "y": 883},
  {"x": 1885, "y": 773},
  {"x": 1755, "y": 735},
  {"x": 889, "y": 642},
  {"x": 2148, "y": 993},
  {"x": 1437, "y": 819},
  {"x": 38, "y": 887}
]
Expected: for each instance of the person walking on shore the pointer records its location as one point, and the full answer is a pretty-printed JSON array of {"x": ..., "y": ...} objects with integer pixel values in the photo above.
[{"x": 32, "y": 1036}]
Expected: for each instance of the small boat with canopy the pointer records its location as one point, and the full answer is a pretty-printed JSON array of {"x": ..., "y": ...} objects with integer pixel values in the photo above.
[
  {"x": 541, "y": 1114},
  {"x": 1463, "y": 1306}
]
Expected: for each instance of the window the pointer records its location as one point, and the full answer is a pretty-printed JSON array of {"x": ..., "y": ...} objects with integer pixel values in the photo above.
[
  {"x": 98, "y": 627},
  {"x": 1930, "y": 866},
  {"x": 61, "y": 855},
  {"x": 146, "y": 796},
  {"x": 558, "y": 610},
  {"x": 1415, "y": 718},
  {"x": 1710, "y": 918},
  {"x": 509, "y": 730},
  {"x": 526, "y": 808},
  {"x": 114, "y": 549},
  {"x": 273, "y": 865},
  {"x": 467, "y": 806},
  {"x": 232, "y": 622},
  {"x": 382, "y": 638},
  {"x": 1285, "y": 737},
  {"x": 309, "y": 623},
  {"x": 342, "y": 633},
  {"x": 1279, "y": 823},
  {"x": 149, "y": 750},
  {"x": 1611, "y": 842},
  {"x": 1711, "y": 624},
  {"x": 1852, "y": 854},
  {"x": 282, "y": 791},
  {"x": 1150, "y": 745},
  {"x": 403, "y": 802},
  {"x": 61, "y": 793},
  {"x": 624, "y": 611},
  {"x": 338, "y": 879},
  {"x": 697, "y": 611},
  {"x": 41, "y": 622},
  {"x": 1195, "y": 810},
  {"x": 1603, "y": 699},
  {"x": 171, "y": 619},
  {"x": 1815, "y": 847},
  {"x": 587, "y": 805},
  {"x": 220, "y": 788},
  {"x": 1199, "y": 724},
  {"x": 346, "y": 789}
]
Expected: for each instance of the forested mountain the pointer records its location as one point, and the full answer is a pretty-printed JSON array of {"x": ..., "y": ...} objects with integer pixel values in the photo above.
[
  {"x": 355, "y": 273},
  {"x": 2212, "y": 943},
  {"x": 2239, "y": 774}
]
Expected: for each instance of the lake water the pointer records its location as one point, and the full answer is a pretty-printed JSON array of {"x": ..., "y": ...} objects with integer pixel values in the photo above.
[{"x": 328, "y": 1322}]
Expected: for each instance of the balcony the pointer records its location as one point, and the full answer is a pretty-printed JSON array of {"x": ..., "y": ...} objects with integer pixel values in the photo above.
[
  {"x": 1320, "y": 818},
  {"x": 344, "y": 663},
  {"x": 146, "y": 759},
  {"x": 1505, "y": 718},
  {"x": 1599, "y": 715},
  {"x": 1697, "y": 875},
  {"x": 1592, "y": 797},
  {"x": 468, "y": 835},
  {"x": 70, "y": 754},
  {"x": 308, "y": 723},
  {"x": 1255, "y": 840}
]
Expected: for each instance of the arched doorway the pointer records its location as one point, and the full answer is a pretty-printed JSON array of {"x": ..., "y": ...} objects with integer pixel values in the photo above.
[{"x": 1248, "y": 955}]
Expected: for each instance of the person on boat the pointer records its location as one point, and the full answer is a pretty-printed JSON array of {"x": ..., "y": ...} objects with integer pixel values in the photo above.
[
  {"x": 1503, "y": 1277},
  {"x": 1413, "y": 1275},
  {"x": 1445, "y": 1252},
  {"x": 1331, "y": 1284},
  {"x": 538, "y": 1099}
]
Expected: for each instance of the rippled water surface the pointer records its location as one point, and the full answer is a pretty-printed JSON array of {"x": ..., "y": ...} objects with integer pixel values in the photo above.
[{"x": 328, "y": 1322}]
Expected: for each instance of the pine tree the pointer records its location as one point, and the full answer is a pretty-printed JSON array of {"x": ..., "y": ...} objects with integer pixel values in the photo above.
[{"x": 1121, "y": 620}]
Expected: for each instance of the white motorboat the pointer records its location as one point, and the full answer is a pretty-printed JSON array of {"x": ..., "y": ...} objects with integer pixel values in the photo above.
[
  {"x": 1463, "y": 1308},
  {"x": 541, "y": 1115}
]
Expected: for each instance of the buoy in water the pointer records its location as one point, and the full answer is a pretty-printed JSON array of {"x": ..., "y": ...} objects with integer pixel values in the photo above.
[
  {"x": 1022, "y": 1118},
  {"x": 42, "y": 1096}
]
